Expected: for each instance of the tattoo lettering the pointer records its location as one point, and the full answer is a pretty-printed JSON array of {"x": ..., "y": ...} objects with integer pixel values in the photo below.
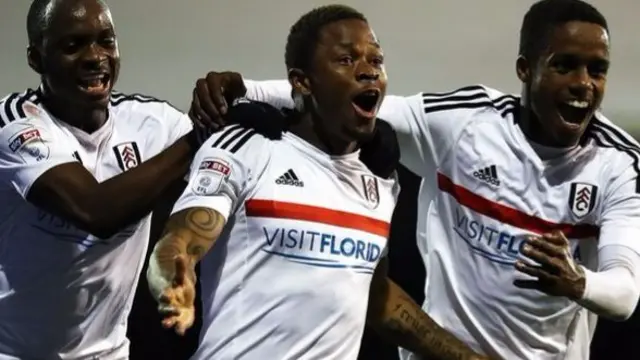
[{"x": 417, "y": 332}]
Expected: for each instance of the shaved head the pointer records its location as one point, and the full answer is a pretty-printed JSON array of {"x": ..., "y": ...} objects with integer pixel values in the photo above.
[{"x": 39, "y": 17}]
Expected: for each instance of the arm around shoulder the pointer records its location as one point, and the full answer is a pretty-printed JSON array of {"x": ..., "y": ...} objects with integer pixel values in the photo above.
[{"x": 40, "y": 165}]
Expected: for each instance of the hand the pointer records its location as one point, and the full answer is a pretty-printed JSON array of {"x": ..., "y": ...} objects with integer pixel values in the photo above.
[
  {"x": 212, "y": 96},
  {"x": 557, "y": 274},
  {"x": 261, "y": 117},
  {"x": 176, "y": 301}
]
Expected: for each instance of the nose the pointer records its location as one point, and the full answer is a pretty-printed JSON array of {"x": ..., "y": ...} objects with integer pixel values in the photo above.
[
  {"x": 93, "y": 57},
  {"x": 367, "y": 73},
  {"x": 582, "y": 82}
]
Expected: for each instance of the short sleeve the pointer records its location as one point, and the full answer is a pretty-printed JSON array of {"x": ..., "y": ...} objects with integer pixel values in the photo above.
[
  {"x": 620, "y": 216},
  {"x": 27, "y": 150},
  {"x": 225, "y": 170},
  {"x": 179, "y": 123},
  {"x": 276, "y": 93}
]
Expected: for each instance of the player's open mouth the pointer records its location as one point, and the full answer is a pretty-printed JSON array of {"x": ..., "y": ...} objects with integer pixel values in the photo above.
[
  {"x": 366, "y": 103},
  {"x": 95, "y": 84},
  {"x": 574, "y": 112}
]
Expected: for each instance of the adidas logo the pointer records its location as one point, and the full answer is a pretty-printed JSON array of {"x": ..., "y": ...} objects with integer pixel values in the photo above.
[
  {"x": 289, "y": 178},
  {"x": 488, "y": 174}
]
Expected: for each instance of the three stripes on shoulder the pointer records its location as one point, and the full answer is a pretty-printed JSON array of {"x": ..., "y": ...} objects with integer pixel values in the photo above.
[{"x": 469, "y": 97}]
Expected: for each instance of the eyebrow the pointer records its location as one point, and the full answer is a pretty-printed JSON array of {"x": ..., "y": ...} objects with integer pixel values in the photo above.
[{"x": 347, "y": 44}]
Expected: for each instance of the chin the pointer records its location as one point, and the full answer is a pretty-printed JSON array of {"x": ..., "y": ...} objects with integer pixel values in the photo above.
[{"x": 363, "y": 133}]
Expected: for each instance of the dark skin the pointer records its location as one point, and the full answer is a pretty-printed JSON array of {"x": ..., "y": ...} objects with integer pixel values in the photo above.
[
  {"x": 346, "y": 60},
  {"x": 573, "y": 66},
  {"x": 80, "y": 42}
]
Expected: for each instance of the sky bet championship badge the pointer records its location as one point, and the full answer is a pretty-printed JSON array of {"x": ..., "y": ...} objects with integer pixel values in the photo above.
[{"x": 211, "y": 173}]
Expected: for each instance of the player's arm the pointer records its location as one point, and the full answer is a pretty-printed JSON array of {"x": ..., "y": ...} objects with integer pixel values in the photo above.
[
  {"x": 427, "y": 124},
  {"x": 44, "y": 171},
  {"x": 613, "y": 290},
  {"x": 189, "y": 234},
  {"x": 222, "y": 173},
  {"x": 397, "y": 318},
  {"x": 214, "y": 93}
]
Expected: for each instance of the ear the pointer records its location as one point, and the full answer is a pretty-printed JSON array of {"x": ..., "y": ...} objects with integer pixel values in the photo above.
[
  {"x": 34, "y": 58},
  {"x": 300, "y": 82},
  {"x": 523, "y": 69}
]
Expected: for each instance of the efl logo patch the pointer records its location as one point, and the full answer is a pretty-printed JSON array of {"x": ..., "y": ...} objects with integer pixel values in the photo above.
[
  {"x": 211, "y": 173},
  {"x": 371, "y": 193},
  {"x": 582, "y": 198},
  {"x": 29, "y": 145},
  {"x": 127, "y": 155},
  {"x": 23, "y": 138}
]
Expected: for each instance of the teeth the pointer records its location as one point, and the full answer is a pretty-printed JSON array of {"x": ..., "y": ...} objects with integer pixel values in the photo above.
[
  {"x": 96, "y": 81},
  {"x": 578, "y": 104}
]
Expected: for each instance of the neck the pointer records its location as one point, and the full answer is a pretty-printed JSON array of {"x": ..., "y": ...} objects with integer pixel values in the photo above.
[
  {"x": 311, "y": 131},
  {"x": 534, "y": 131},
  {"x": 87, "y": 119}
]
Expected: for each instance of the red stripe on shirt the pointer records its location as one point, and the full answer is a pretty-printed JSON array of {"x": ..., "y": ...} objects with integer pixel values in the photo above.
[
  {"x": 293, "y": 211},
  {"x": 511, "y": 216}
]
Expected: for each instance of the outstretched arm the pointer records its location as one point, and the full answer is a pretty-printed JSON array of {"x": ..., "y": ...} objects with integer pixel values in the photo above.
[
  {"x": 397, "y": 318},
  {"x": 189, "y": 234}
]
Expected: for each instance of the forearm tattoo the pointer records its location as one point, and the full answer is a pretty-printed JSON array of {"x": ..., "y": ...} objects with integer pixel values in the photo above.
[
  {"x": 191, "y": 233},
  {"x": 416, "y": 331},
  {"x": 205, "y": 226}
]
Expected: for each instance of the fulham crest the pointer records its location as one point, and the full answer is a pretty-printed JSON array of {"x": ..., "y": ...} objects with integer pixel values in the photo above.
[
  {"x": 371, "y": 193},
  {"x": 128, "y": 155},
  {"x": 582, "y": 198}
]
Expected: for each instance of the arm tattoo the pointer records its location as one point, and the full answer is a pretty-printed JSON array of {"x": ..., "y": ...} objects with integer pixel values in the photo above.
[
  {"x": 190, "y": 233},
  {"x": 408, "y": 326}
]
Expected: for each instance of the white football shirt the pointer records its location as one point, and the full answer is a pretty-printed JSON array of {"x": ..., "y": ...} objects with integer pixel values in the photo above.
[
  {"x": 289, "y": 277},
  {"x": 484, "y": 190},
  {"x": 65, "y": 294}
]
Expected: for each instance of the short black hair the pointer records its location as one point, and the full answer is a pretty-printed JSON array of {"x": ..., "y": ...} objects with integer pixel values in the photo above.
[
  {"x": 38, "y": 20},
  {"x": 303, "y": 35},
  {"x": 545, "y": 15}
]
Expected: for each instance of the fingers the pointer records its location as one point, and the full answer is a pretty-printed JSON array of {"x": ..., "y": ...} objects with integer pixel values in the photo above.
[
  {"x": 234, "y": 86},
  {"x": 535, "y": 244},
  {"x": 215, "y": 103},
  {"x": 527, "y": 284},
  {"x": 185, "y": 321},
  {"x": 197, "y": 115},
  {"x": 556, "y": 237},
  {"x": 179, "y": 278},
  {"x": 535, "y": 271},
  {"x": 209, "y": 104},
  {"x": 180, "y": 321}
]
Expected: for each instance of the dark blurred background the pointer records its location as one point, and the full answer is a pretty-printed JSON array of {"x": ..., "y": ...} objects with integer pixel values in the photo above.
[{"x": 150, "y": 342}]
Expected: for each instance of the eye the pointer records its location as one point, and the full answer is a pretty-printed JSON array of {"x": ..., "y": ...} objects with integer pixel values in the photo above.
[
  {"x": 378, "y": 60},
  {"x": 346, "y": 60},
  {"x": 70, "y": 46},
  {"x": 108, "y": 42},
  {"x": 563, "y": 67},
  {"x": 598, "y": 70}
]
